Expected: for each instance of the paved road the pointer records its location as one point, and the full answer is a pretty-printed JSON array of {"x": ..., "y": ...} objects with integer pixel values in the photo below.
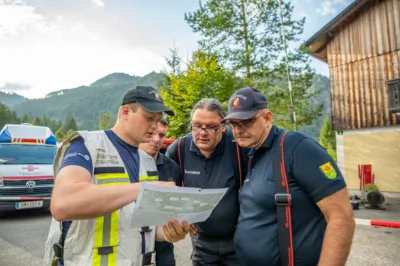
[{"x": 22, "y": 238}]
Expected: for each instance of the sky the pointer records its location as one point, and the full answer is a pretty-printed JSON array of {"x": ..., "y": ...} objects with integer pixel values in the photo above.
[{"x": 49, "y": 45}]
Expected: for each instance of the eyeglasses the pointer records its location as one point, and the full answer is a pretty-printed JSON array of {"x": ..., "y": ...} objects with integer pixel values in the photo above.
[
  {"x": 244, "y": 123},
  {"x": 208, "y": 130}
]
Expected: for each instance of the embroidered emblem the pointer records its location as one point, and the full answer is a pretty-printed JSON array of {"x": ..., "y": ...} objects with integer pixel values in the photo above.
[{"x": 328, "y": 170}]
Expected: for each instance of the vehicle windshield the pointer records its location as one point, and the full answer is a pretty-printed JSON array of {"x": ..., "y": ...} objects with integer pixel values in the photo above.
[{"x": 27, "y": 154}]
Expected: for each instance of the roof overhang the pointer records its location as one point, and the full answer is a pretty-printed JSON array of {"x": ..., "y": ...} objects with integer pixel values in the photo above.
[{"x": 317, "y": 44}]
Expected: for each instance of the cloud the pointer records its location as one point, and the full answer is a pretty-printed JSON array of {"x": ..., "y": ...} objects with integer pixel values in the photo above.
[
  {"x": 53, "y": 65},
  {"x": 328, "y": 7},
  {"x": 10, "y": 86},
  {"x": 100, "y": 3},
  {"x": 62, "y": 50}
]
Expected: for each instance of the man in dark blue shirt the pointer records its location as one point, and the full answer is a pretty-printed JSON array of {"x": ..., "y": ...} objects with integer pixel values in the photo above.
[
  {"x": 206, "y": 161},
  {"x": 317, "y": 216},
  {"x": 168, "y": 170}
]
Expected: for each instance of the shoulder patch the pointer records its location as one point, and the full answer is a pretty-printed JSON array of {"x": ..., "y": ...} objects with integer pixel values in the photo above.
[{"x": 328, "y": 170}]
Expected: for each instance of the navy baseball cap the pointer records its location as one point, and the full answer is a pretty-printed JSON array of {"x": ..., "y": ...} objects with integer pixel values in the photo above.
[
  {"x": 245, "y": 103},
  {"x": 147, "y": 97}
]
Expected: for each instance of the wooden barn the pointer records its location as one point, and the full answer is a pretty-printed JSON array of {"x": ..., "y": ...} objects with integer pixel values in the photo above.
[{"x": 362, "y": 49}]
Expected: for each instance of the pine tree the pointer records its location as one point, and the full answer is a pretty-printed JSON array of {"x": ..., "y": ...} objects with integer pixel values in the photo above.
[
  {"x": 327, "y": 138},
  {"x": 247, "y": 34},
  {"x": 7, "y": 116}
]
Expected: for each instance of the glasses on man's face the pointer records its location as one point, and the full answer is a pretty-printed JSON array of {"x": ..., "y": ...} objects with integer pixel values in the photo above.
[
  {"x": 242, "y": 124},
  {"x": 208, "y": 130}
]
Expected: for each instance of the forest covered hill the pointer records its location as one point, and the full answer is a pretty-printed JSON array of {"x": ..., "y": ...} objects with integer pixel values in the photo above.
[
  {"x": 10, "y": 99},
  {"x": 87, "y": 103}
]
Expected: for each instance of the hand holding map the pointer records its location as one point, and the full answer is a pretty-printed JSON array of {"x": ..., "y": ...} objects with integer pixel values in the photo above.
[{"x": 157, "y": 205}]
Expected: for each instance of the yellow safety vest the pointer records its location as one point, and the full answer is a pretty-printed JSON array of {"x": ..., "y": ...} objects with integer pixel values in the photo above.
[{"x": 108, "y": 240}]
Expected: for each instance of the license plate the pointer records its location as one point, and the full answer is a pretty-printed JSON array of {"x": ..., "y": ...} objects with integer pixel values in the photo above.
[{"x": 28, "y": 204}]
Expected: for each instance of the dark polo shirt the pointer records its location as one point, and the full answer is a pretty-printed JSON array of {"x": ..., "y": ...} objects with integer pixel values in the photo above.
[
  {"x": 165, "y": 250},
  {"x": 256, "y": 237},
  {"x": 216, "y": 171},
  {"x": 161, "y": 168}
]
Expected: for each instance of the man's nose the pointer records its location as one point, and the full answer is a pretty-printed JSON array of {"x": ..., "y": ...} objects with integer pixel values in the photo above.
[
  {"x": 203, "y": 132},
  {"x": 156, "y": 138}
]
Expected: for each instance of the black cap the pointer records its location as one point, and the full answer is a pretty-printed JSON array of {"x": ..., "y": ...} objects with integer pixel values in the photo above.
[
  {"x": 245, "y": 103},
  {"x": 148, "y": 98}
]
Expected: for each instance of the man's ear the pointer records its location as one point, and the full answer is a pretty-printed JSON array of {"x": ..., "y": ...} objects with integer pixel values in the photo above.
[
  {"x": 268, "y": 117},
  {"x": 124, "y": 111}
]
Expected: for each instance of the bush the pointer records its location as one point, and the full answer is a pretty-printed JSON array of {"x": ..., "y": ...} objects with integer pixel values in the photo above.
[{"x": 371, "y": 187}]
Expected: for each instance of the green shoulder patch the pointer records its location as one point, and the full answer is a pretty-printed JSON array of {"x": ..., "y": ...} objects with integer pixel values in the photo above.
[{"x": 328, "y": 170}]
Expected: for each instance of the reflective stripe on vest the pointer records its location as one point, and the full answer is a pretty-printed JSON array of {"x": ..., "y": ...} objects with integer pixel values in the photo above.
[
  {"x": 106, "y": 228},
  {"x": 151, "y": 176}
]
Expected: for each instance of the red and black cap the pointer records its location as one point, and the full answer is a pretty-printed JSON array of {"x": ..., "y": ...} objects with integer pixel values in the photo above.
[{"x": 245, "y": 103}]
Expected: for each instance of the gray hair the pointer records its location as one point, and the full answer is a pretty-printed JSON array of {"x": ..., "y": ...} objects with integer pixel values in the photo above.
[{"x": 209, "y": 104}]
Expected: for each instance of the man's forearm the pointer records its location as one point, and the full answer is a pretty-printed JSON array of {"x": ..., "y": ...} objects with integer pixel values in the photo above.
[
  {"x": 337, "y": 242},
  {"x": 160, "y": 234},
  {"x": 85, "y": 200}
]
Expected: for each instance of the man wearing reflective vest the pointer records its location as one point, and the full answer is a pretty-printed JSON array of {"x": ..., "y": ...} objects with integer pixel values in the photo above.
[
  {"x": 96, "y": 185},
  {"x": 294, "y": 206},
  {"x": 168, "y": 170}
]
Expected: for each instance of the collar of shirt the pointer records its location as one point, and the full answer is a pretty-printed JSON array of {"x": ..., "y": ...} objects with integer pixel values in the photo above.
[
  {"x": 159, "y": 159},
  {"x": 268, "y": 142}
]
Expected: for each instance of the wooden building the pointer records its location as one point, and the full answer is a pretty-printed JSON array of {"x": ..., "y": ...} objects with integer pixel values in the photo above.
[{"x": 362, "y": 49}]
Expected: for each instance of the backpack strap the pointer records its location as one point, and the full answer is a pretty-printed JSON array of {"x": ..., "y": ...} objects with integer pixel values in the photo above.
[
  {"x": 239, "y": 172},
  {"x": 283, "y": 202},
  {"x": 181, "y": 152}
]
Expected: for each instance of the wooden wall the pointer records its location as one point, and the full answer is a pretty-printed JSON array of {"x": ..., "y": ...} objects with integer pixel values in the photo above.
[{"x": 362, "y": 57}]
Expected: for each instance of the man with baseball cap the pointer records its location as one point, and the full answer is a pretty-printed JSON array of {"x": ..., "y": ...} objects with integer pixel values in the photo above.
[
  {"x": 96, "y": 186},
  {"x": 294, "y": 207},
  {"x": 168, "y": 170}
]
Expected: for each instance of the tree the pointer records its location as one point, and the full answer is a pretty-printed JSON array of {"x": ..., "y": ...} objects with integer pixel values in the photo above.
[
  {"x": 36, "y": 121},
  {"x": 327, "y": 138},
  {"x": 67, "y": 128},
  {"x": 7, "y": 116},
  {"x": 69, "y": 124},
  {"x": 26, "y": 119},
  {"x": 174, "y": 62},
  {"x": 204, "y": 77},
  {"x": 106, "y": 121},
  {"x": 173, "y": 70},
  {"x": 247, "y": 34}
]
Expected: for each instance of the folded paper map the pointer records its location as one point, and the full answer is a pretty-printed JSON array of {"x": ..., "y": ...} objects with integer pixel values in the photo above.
[{"x": 157, "y": 205}]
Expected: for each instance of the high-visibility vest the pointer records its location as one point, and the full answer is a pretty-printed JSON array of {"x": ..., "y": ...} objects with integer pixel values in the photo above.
[{"x": 108, "y": 240}]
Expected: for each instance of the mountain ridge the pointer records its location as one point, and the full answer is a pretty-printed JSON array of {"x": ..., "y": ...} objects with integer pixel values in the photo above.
[
  {"x": 88, "y": 102},
  {"x": 11, "y": 98}
]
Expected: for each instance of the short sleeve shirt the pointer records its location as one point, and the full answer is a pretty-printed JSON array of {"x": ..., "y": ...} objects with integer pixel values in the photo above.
[{"x": 312, "y": 176}]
